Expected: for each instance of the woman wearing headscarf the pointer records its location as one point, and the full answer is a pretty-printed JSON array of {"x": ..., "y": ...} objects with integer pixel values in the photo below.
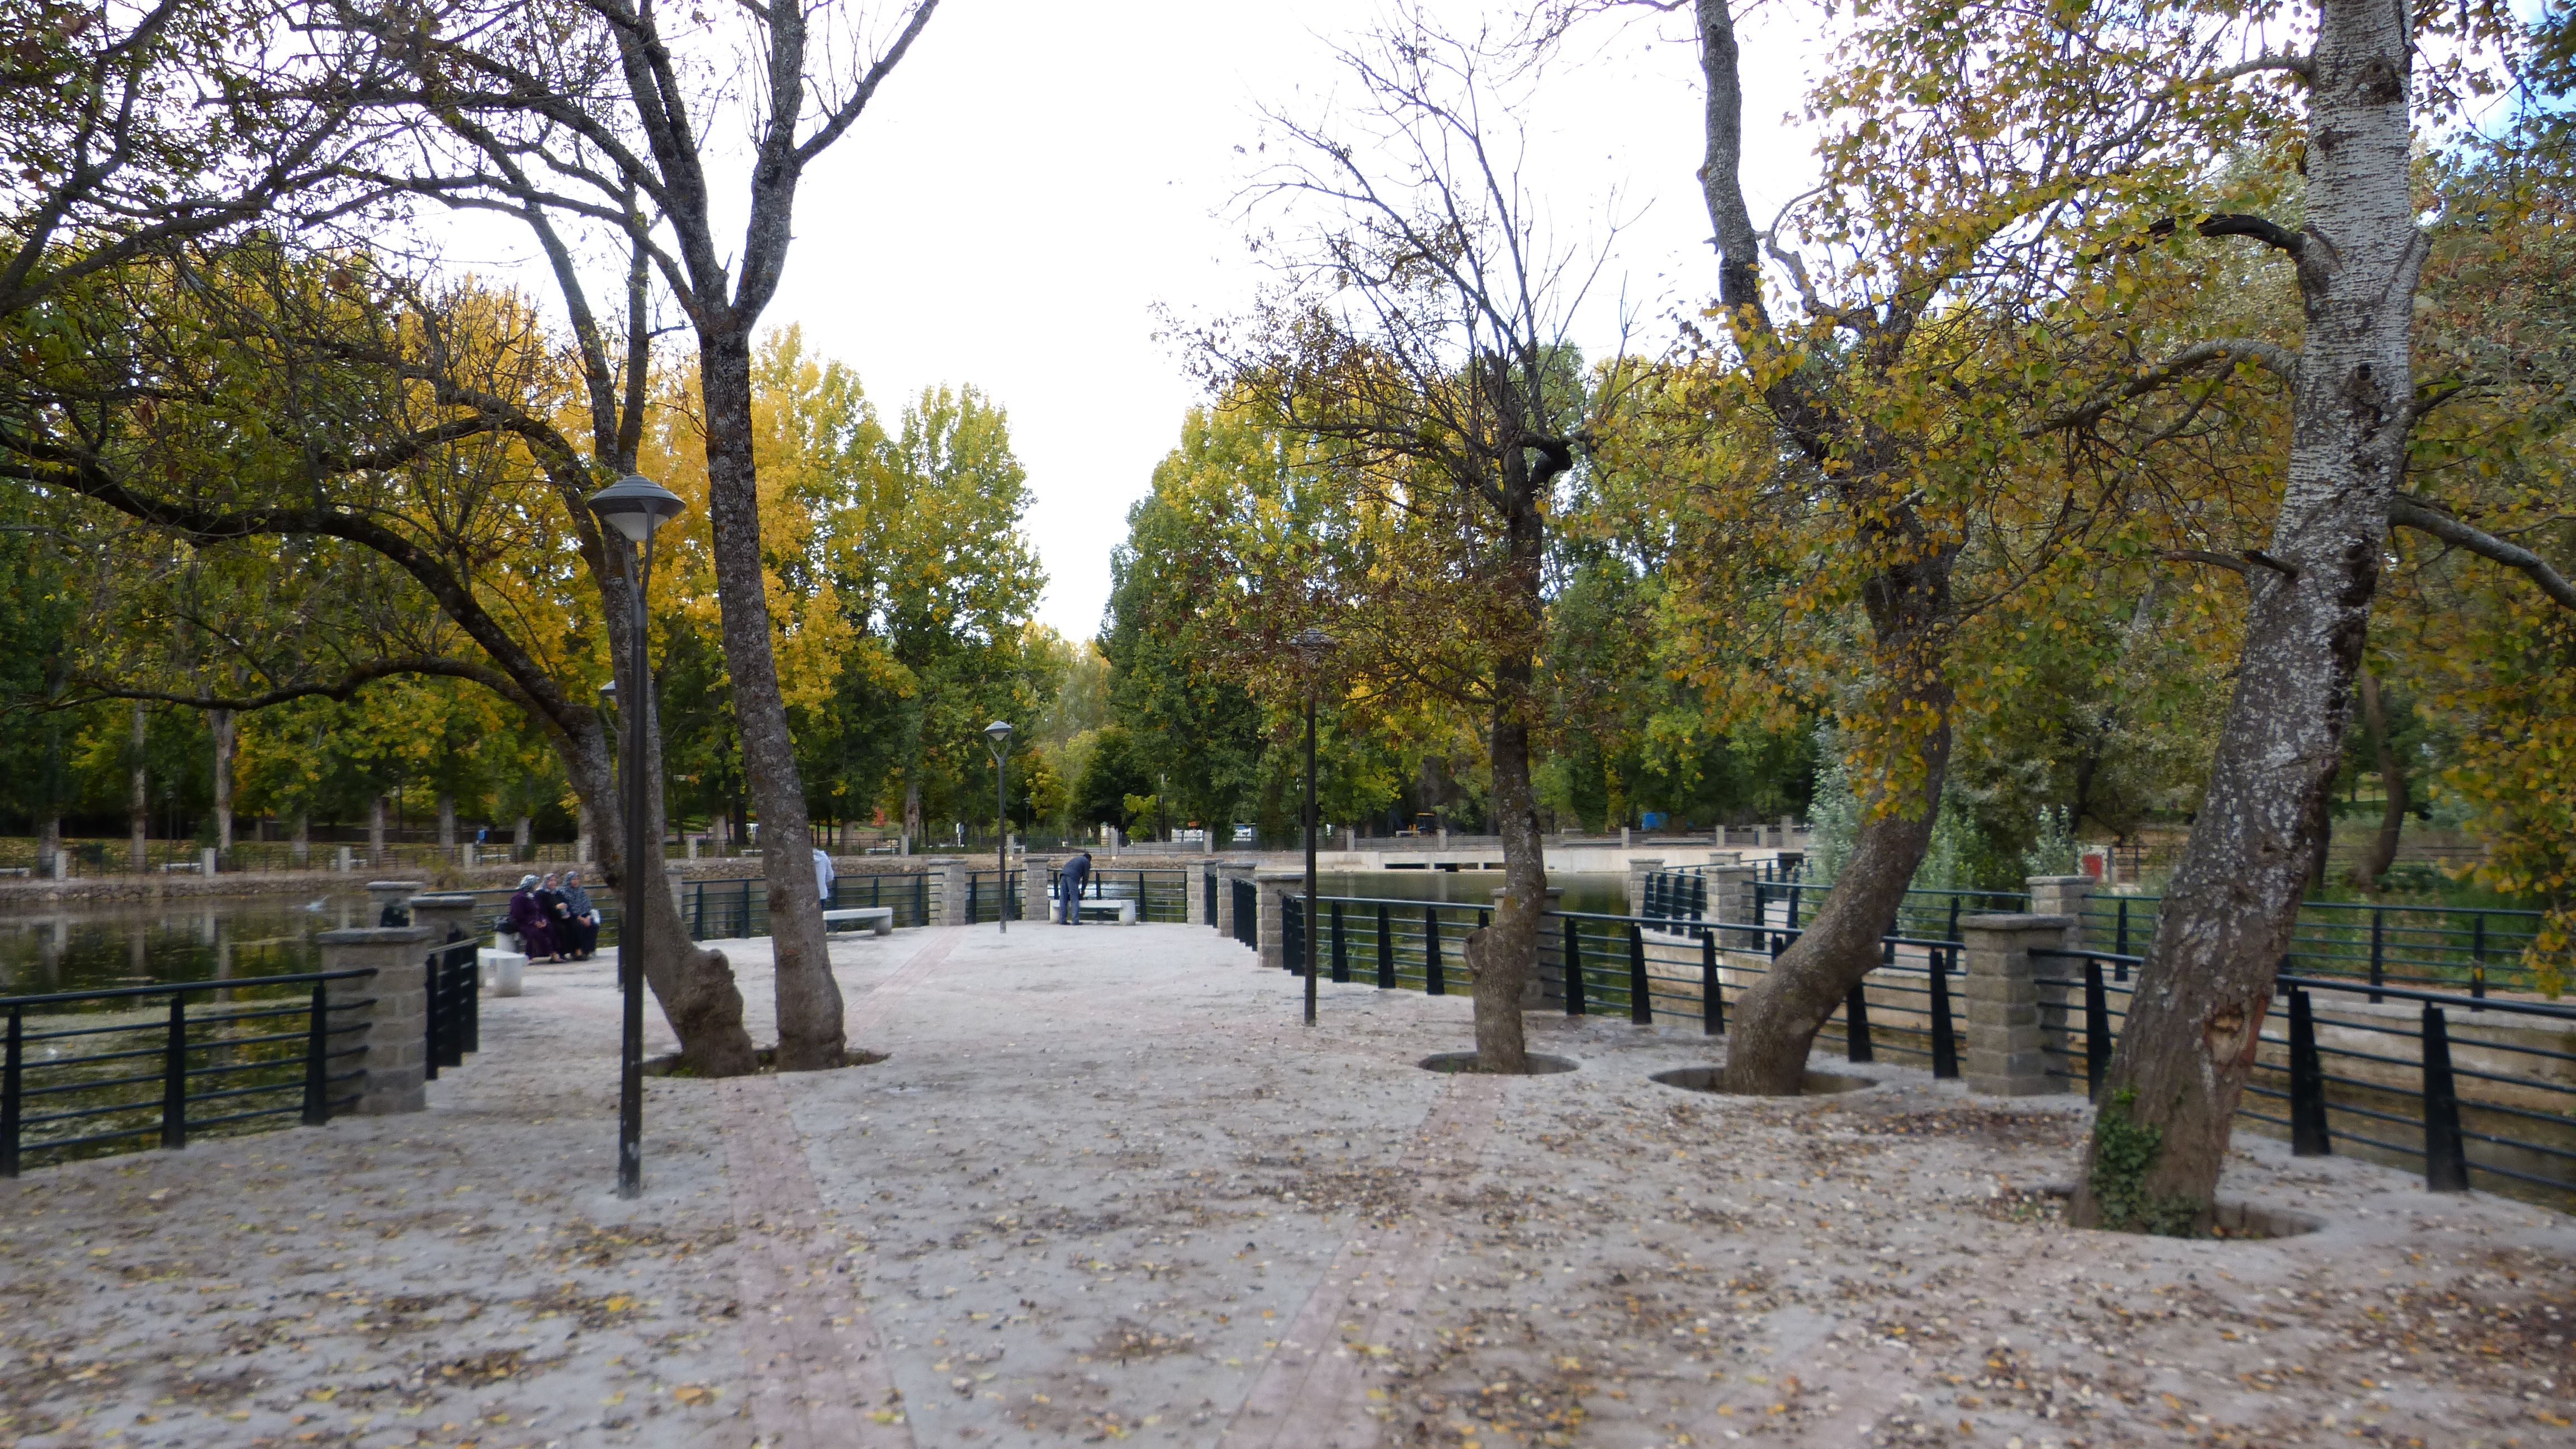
[
  {"x": 581, "y": 918},
  {"x": 529, "y": 922}
]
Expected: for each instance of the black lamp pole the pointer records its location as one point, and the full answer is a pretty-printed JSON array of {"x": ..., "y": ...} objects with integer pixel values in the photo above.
[
  {"x": 633, "y": 507},
  {"x": 1311, "y": 645},
  {"x": 997, "y": 738}
]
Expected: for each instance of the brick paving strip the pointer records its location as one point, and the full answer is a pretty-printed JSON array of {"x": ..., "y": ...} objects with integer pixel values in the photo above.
[
  {"x": 1312, "y": 1394},
  {"x": 819, "y": 1371}
]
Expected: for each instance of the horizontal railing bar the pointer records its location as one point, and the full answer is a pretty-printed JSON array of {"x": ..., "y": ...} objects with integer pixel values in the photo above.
[
  {"x": 61, "y": 1087},
  {"x": 239, "y": 983},
  {"x": 93, "y": 1137},
  {"x": 195, "y": 1125}
]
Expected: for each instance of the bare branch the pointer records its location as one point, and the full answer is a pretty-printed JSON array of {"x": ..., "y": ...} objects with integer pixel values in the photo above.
[{"x": 2407, "y": 511}]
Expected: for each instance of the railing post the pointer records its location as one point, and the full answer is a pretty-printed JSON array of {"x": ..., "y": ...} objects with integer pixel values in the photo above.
[
  {"x": 1434, "y": 981},
  {"x": 2478, "y": 958},
  {"x": 174, "y": 1075},
  {"x": 1856, "y": 1044},
  {"x": 2446, "y": 1162},
  {"x": 1574, "y": 984},
  {"x": 12, "y": 1089},
  {"x": 1385, "y": 949},
  {"x": 1641, "y": 997},
  {"x": 974, "y": 889},
  {"x": 2309, "y": 1136},
  {"x": 317, "y": 1050},
  {"x": 2121, "y": 947},
  {"x": 2097, "y": 1029},
  {"x": 1945, "y": 1049},
  {"x": 473, "y": 978},
  {"x": 1712, "y": 999},
  {"x": 2378, "y": 952},
  {"x": 1341, "y": 943}
]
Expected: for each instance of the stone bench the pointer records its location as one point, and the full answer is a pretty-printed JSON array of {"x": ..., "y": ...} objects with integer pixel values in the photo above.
[
  {"x": 880, "y": 919},
  {"x": 1123, "y": 911}
]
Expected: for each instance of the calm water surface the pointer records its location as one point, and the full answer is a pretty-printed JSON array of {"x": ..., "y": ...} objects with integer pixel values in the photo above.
[{"x": 88, "y": 948}]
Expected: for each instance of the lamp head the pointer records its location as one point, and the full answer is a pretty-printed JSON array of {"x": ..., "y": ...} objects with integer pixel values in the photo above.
[
  {"x": 999, "y": 733},
  {"x": 635, "y": 506}
]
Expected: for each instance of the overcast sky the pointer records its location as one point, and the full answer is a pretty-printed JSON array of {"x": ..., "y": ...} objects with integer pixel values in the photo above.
[{"x": 1039, "y": 178}]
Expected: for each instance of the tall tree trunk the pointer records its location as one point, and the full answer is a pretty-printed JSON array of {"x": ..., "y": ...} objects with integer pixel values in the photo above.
[
  {"x": 301, "y": 852},
  {"x": 523, "y": 839},
  {"x": 811, "y": 1031},
  {"x": 694, "y": 986},
  {"x": 376, "y": 830},
  {"x": 138, "y": 802},
  {"x": 447, "y": 823},
  {"x": 2180, "y": 1068},
  {"x": 2392, "y": 787},
  {"x": 911, "y": 815},
  {"x": 224, "y": 727},
  {"x": 49, "y": 840},
  {"x": 1909, "y": 608}
]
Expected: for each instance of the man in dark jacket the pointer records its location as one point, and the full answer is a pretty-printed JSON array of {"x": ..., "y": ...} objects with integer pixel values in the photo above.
[{"x": 1069, "y": 885}]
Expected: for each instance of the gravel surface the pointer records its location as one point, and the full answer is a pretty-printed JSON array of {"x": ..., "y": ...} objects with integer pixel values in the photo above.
[{"x": 1106, "y": 1187}]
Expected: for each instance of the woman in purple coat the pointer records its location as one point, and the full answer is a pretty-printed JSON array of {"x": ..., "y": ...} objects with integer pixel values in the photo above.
[{"x": 528, "y": 922}]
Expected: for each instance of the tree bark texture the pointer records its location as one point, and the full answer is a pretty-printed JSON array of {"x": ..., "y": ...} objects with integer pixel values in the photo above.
[
  {"x": 1907, "y": 600},
  {"x": 2392, "y": 785},
  {"x": 222, "y": 725},
  {"x": 447, "y": 822},
  {"x": 301, "y": 849},
  {"x": 811, "y": 1032},
  {"x": 1509, "y": 948},
  {"x": 138, "y": 804},
  {"x": 2189, "y": 1044},
  {"x": 375, "y": 830}
]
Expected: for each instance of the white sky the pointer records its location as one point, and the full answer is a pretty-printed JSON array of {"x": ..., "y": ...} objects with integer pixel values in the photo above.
[{"x": 1038, "y": 177}]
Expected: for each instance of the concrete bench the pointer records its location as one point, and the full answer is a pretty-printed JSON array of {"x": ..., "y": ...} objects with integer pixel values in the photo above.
[
  {"x": 879, "y": 918},
  {"x": 1124, "y": 911}
]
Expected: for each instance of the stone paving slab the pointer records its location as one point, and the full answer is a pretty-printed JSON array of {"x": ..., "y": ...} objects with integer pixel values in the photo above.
[{"x": 1106, "y": 1187}]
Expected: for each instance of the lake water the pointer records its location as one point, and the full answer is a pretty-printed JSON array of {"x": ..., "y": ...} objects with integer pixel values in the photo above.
[{"x": 86, "y": 949}]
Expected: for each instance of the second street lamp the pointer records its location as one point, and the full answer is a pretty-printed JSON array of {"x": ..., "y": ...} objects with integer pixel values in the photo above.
[
  {"x": 997, "y": 738},
  {"x": 633, "y": 508}
]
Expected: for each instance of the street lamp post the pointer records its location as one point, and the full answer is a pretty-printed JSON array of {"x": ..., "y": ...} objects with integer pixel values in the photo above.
[
  {"x": 632, "y": 508},
  {"x": 1310, "y": 645},
  {"x": 997, "y": 738}
]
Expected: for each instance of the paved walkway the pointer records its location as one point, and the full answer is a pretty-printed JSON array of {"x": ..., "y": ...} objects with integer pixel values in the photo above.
[{"x": 1107, "y": 1188}]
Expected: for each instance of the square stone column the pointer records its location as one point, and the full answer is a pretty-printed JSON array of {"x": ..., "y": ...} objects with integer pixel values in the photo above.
[
  {"x": 2004, "y": 1031},
  {"x": 1274, "y": 887},
  {"x": 1731, "y": 899},
  {"x": 445, "y": 913},
  {"x": 2062, "y": 895},
  {"x": 393, "y": 1051},
  {"x": 1194, "y": 895},
  {"x": 1227, "y": 873},
  {"x": 1638, "y": 870},
  {"x": 951, "y": 871}
]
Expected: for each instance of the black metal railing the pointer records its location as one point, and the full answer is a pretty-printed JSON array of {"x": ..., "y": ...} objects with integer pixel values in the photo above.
[
  {"x": 732, "y": 909},
  {"x": 93, "y": 1072},
  {"x": 1160, "y": 895},
  {"x": 988, "y": 892},
  {"x": 2473, "y": 1090},
  {"x": 1247, "y": 914},
  {"x": 455, "y": 985}
]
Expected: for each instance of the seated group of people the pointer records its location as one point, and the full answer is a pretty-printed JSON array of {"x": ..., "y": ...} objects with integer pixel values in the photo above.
[{"x": 553, "y": 918}]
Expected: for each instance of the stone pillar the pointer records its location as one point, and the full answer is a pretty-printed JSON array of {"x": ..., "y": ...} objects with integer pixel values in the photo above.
[
  {"x": 388, "y": 894},
  {"x": 1731, "y": 898},
  {"x": 2004, "y": 1030},
  {"x": 340, "y": 862},
  {"x": 206, "y": 860},
  {"x": 393, "y": 1051},
  {"x": 1227, "y": 873},
  {"x": 2062, "y": 895},
  {"x": 446, "y": 913},
  {"x": 1194, "y": 896},
  {"x": 951, "y": 870},
  {"x": 1274, "y": 889},
  {"x": 1638, "y": 870},
  {"x": 1623, "y": 837}
]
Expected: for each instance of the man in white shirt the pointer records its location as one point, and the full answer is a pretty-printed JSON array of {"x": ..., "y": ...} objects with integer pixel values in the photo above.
[{"x": 823, "y": 877}]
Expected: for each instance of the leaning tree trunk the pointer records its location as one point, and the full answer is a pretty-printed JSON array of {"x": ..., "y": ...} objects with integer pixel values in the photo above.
[
  {"x": 694, "y": 986},
  {"x": 1776, "y": 1021},
  {"x": 811, "y": 1033},
  {"x": 2161, "y": 1132},
  {"x": 2392, "y": 787}
]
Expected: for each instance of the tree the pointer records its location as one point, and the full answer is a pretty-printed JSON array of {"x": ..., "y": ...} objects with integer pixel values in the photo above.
[
  {"x": 574, "y": 117},
  {"x": 329, "y": 404}
]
